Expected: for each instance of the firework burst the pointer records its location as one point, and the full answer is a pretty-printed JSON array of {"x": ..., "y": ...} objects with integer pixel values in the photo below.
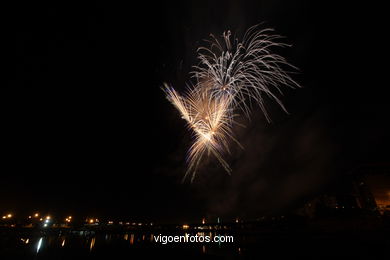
[
  {"x": 247, "y": 71},
  {"x": 210, "y": 120},
  {"x": 229, "y": 77}
]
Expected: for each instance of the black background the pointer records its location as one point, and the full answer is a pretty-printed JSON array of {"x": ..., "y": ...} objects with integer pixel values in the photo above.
[{"x": 86, "y": 129}]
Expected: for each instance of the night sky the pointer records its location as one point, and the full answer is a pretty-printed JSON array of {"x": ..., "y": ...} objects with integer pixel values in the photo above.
[{"x": 86, "y": 129}]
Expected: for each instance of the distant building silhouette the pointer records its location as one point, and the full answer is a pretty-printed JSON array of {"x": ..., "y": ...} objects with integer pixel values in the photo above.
[{"x": 351, "y": 192}]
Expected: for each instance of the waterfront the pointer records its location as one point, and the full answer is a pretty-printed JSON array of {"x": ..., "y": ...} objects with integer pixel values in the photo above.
[{"x": 124, "y": 245}]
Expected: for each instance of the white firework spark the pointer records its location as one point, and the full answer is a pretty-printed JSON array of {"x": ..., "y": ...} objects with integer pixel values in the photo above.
[
  {"x": 229, "y": 77},
  {"x": 210, "y": 119},
  {"x": 245, "y": 70}
]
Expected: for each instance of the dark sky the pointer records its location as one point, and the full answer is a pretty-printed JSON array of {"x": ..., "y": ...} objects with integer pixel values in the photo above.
[{"x": 86, "y": 129}]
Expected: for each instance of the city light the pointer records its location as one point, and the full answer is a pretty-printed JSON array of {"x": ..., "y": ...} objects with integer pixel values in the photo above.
[
  {"x": 7, "y": 216},
  {"x": 36, "y": 215},
  {"x": 46, "y": 221},
  {"x": 185, "y": 227}
]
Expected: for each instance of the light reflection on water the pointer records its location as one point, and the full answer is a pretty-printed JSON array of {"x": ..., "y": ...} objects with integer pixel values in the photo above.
[
  {"x": 92, "y": 243},
  {"x": 25, "y": 240},
  {"x": 39, "y": 244},
  {"x": 89, "y": 240}
]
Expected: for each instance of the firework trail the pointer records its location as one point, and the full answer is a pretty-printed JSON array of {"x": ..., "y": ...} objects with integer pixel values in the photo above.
[
  {"x": 210, "y": 120},
  {"x": 229, "y": 77}
]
